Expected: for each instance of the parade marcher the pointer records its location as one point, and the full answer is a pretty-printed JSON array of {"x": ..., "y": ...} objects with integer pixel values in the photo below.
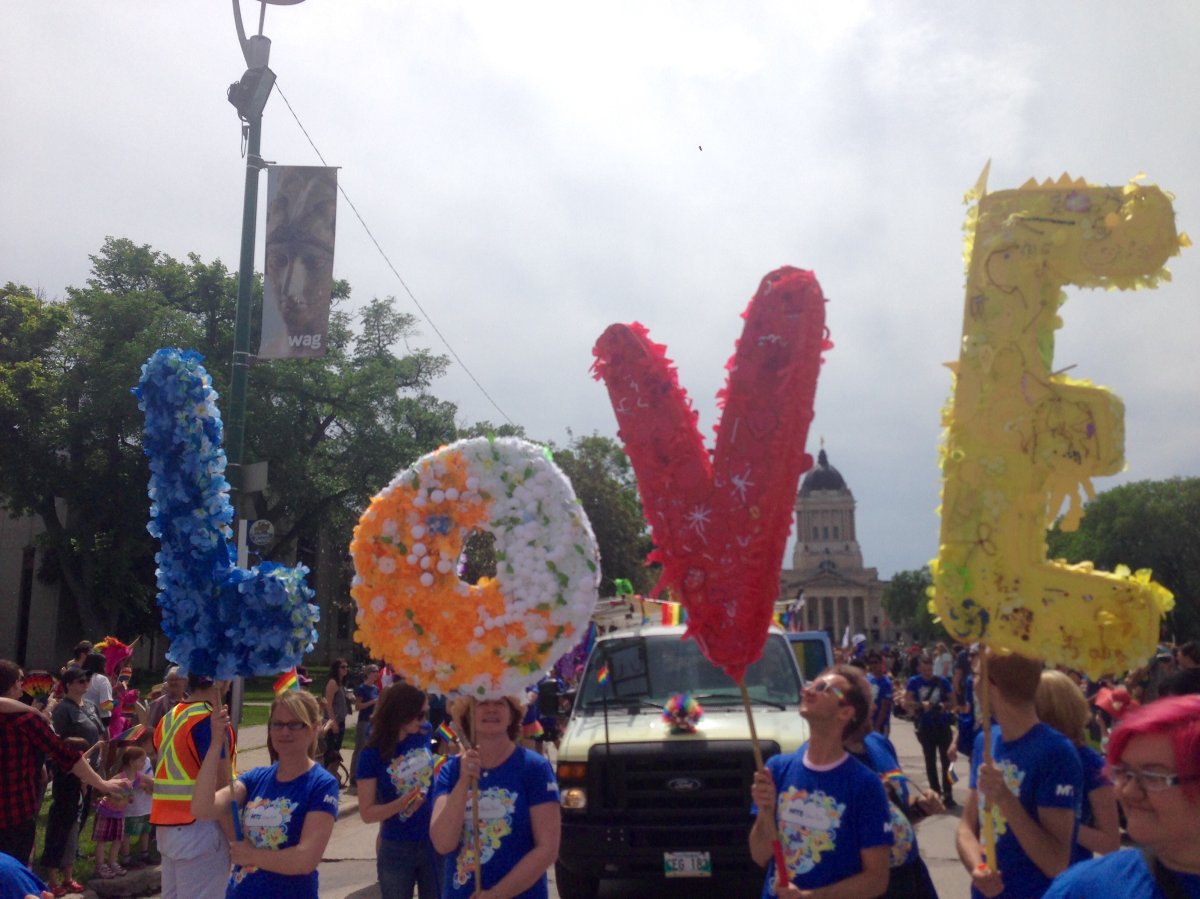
[
  {"x": 846, "y": 836},
  {"x": 1031, "y": 789},
  {"x": 1154, "y": 763},
  {"x": 288, "y": 808},
  {"x": 366, "y": 697},
  {"x": 881, "y": 692},
  {"x": 174, "y": 691},
  {"x": 908, "y": 876},
  {"x": 395, "y": 777},
  {"x": 195, "y": 854},
  {"x": 929, "y": 699},
  {"x": 519, "y": 806},
  {"x": 24, "y": 735},
  {"x": 1060, "y": 704}
]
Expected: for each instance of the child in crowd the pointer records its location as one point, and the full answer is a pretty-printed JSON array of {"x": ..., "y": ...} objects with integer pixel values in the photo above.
[
  {"x": 109, "y": 829},
  {"x": 135, "y": 848}
]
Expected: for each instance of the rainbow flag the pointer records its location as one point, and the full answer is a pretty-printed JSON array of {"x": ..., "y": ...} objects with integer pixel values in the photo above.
[
  {"x": 289, "y": 680},
  {"x": 445, "y": 734},
  {"x": 602, "y": 675},
  {"x": 894, "y": 774},
  {"x": 438, "y": 762},
  {"x": 673, "y": 613},
  {"x": 952, "y": 775}
]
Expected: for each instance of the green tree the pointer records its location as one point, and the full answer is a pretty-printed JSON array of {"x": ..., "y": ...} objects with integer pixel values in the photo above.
[
  {"x": 1146, "y": 524},
  {"x": 603, "y": 480},
  {"x": 906, "y": 602},
  {"x": 334, "y": 430}
]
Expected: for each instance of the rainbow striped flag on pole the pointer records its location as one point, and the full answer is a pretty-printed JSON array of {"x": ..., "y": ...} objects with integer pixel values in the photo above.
[
  {"x": 602, "y": 675},
  {"x": 445, "y": 734},
  {"x": 289, "y": 680},
  {"x": 673, "y": 613}
]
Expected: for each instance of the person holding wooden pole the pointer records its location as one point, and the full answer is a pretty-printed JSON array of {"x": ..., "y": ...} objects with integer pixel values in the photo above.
[
  {"x": 1026, "y": 777},
  {"x": 505, "y": 842},
  {"x": 832, "y": 811}
]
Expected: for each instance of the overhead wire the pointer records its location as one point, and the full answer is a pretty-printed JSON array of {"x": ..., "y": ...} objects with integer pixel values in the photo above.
[{"x": 425, "y": 315}]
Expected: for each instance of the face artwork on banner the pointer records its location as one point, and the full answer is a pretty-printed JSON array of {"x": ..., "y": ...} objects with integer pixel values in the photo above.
[{"x": 298, "y": 281}]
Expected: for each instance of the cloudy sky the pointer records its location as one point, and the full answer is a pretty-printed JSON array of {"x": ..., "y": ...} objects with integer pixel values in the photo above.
[{"x": 537, "y": 171}]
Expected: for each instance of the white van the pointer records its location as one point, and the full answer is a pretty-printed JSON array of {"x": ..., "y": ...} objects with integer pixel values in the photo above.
[{"x": 639, "y": 802}]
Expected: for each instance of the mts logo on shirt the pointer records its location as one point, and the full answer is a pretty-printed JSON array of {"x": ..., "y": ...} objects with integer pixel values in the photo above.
[{"x": 1064, "y": 790}]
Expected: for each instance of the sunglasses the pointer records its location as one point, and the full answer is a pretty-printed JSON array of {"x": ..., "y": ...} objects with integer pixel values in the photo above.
[{"x": 825, "y": 686}]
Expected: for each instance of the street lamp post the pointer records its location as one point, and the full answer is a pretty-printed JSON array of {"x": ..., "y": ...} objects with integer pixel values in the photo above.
[{"x": 249, "y": 96}]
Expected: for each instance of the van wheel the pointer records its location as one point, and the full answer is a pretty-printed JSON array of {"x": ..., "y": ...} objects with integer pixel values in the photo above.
[{"x": 575, "y": 884}]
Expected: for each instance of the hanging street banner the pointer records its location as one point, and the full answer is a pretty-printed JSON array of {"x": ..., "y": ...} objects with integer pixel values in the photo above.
[{"x": 301, "y": 214}]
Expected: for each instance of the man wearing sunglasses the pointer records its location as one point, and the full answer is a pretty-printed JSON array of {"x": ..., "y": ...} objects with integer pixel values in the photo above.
[
  {"x": 1033, "y": 789},
  {"x": 827, "y": 809}
]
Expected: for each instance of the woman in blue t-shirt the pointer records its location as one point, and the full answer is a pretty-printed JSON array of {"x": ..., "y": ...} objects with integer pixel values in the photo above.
[
  {"x": 519, "y": 819},
  {"x": 1060, "y": 703},
  {"x": 287, "y": 809},
  {"x": 395, "y": 775}
]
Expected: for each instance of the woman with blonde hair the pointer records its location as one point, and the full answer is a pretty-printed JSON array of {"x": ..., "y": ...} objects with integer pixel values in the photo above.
[
  {"x": 287, "y": 808},
  {"x": 518, "y": 801},
  {"x": 1061, "y": 704}
]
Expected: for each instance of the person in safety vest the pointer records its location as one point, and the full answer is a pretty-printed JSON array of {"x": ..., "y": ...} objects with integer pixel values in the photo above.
[{"x": 195, "y": 854}]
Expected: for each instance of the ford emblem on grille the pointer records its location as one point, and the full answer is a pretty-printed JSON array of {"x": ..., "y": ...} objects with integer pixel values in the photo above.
[{"x": 684, "y": 784}]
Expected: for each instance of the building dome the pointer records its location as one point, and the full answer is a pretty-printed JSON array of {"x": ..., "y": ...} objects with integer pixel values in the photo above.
[{"x": 822, "y": 477}]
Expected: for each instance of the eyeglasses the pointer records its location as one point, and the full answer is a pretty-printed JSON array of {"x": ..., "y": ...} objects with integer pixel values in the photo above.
[
  {"x": 1149, "y": 781},
  {"x": 293, "y": 726},
  {"x": 825, "y": 686}
]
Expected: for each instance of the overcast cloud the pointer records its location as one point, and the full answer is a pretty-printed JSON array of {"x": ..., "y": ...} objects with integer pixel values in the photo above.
[{"x": 535, "y": 172}]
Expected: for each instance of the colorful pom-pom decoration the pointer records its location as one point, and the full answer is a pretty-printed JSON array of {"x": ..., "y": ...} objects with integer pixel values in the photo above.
[
  {"x": 222, "y": 621},
  {"x": 720, "y": 524},
  {"x": 682, "y": 714},
  {"x": 1021, "y": 440},
  {"x": 490, "y": 638}
]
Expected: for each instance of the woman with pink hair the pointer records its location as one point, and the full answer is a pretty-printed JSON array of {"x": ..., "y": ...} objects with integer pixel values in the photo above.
[{"x": 1154, "y": 764}]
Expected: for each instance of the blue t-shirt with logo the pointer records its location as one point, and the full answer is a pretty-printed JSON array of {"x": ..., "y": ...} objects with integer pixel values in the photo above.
[
  {"x": 939, "y": 694},
  {"x": 880, "y": 756},
  {"x": 409, "y": 770},
  {"x": 825, "y": 818},
  {"x": 273, "y": 818},
  {"x": 1042, "y": 769},
  {"x": 1121, "y": 873},
  {"x": 507, "y": 793}
]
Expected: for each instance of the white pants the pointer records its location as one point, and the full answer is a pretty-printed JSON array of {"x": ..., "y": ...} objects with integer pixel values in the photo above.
[{"x": 195, "y": 861}]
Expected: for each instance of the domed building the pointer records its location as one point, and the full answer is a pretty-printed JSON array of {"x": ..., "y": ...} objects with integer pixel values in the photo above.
[{"x": 827, "y": 584}]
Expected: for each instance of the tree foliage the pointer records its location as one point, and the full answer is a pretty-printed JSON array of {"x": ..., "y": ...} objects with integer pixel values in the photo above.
[
  {"x": 906, "y": 602},
  {"x": 1146, "y": 524},
  {"x": 603, "y": 480},
  {"x": 334, "y": 430}
]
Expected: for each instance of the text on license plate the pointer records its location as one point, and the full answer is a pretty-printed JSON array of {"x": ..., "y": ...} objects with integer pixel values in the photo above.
[{"x": 687, "y": 864}]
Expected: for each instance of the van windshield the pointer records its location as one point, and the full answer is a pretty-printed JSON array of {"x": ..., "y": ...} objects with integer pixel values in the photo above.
[{"x": 650, "y": 670}]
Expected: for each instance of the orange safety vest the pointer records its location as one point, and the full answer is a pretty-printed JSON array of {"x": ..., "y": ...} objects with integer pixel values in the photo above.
[{"x": 178, "y": 763}]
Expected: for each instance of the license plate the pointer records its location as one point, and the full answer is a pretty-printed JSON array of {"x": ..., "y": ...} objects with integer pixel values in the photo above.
[{"x": 687, "y": 864}]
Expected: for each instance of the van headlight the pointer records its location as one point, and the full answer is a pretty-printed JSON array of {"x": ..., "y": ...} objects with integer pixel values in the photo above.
[{"x": 574, "y": 798}]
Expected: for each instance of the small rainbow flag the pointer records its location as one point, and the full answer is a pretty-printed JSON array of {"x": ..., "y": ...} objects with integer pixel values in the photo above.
[
  {"x": 289, "y": 680},
  {"x": 602, "y": 675},
  {"x": 673, "y": 613},
  {"x": 438, "y": 762},
  {"x": 894, "y": 774},
  {"x": 952, "y": 775},
  {"x": 445, "y": 734}
]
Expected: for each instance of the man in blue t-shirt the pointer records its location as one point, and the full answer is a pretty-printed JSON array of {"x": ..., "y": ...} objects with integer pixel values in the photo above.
[
  {"x": 930, "y": 700},
  {"x": 1032, "y": 789},
  {"x": 881, "y": 693},
  {"x": 828, "y": 811}
]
